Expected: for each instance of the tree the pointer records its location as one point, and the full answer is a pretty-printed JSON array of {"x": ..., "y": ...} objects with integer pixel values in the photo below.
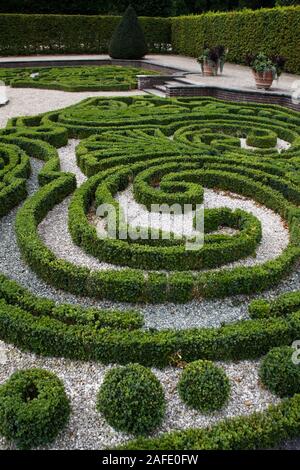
[{"x": 128, "y": 40}]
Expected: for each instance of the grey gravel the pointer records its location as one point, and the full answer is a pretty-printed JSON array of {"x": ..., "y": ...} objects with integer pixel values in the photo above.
[{"x": 87, "y": 429}]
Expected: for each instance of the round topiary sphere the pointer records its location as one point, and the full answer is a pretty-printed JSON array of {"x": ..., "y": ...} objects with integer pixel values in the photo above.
[
  {"x": 132, "y": 399},
  {"x": 279, "y": 373},
  {"x": 204, "y": 386},
  {"x": 34, "y": 408}
]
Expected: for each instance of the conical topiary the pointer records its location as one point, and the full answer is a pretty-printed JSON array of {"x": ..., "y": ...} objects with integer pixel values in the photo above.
[{"x": 128, "y": 41}]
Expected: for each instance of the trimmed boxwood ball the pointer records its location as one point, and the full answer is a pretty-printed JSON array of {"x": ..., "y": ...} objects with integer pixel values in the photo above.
[
  {"x": 279, "y": 373},
  {"x": 204, "y": 386},
  {"x": 132, "y": 399},
  {"x": 128, "y": 40},
  {"x": 34, "y": 408}
]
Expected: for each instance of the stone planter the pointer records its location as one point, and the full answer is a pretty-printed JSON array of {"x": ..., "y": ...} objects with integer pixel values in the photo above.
[{"x": 263, "y": 80}]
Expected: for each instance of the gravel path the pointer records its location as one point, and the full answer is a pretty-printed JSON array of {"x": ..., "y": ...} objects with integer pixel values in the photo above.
[
  {"x": 87, "y": 429},
  {"x": 29, "y": 101}
]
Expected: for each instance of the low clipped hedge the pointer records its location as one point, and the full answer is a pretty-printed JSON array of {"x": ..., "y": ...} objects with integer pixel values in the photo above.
[
  {"x": 14, "y": 170},
  {"x": 204, "y": 386},
  {"x": 242, "y": 32},
  {"x": 261, "y": 430},
  {"x": 280, "y": 306},
  {"x": 34, "y": 408},
  {"x": 150, "y": 253},
  {"x": 84, "y": 78},
  {"x": 262, "y": 139},
  {"x": 272, "y": 178},
  {"x": 271, "y": 184},
  {"x": 132, "y": 399},
  {"x": 49, "y": 336},
  {"x": 279, "y": 373}
]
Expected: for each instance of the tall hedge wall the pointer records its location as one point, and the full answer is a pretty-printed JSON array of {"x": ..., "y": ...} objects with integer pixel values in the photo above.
[
  {"x": 275, "y": 31},
  {"x": 61, "y": 34}
]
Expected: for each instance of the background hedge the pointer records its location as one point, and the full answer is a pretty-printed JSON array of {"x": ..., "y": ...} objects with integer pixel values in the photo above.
[
  {"x": 142, "y": 7},
  {"x": 67, "y": 34},
  {"x": 275, "y": 31}
]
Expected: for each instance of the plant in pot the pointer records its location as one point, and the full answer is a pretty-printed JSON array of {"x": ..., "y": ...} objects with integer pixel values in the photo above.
[
  {"x": 265, "y": 69},
  {"x": 212, "y": 60}
]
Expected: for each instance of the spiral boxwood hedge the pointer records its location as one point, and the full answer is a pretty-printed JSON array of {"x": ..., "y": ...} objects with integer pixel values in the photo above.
[
  {"x": 279, "y": 373},
  {"x": 132, "y": 399},
  {"x": 93, "y": 78},
  {"x": 270, "y": 177},
  {"x": 204, "y": 386},
  {"x": 116, "y": 133},
  {"x": 34, "y": 408}
]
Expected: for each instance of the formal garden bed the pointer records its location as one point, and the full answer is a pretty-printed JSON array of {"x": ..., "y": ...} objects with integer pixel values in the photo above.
[
  {"x": 150, "y": 247},
  {"x": 84, "y": 78},
  {"x": 80, "y": 299}
]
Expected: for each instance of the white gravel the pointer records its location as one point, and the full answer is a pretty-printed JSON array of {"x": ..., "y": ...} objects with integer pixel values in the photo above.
[
  {"x": 87, "y": 429},
  {"x": 275, "y": 236},
  {"x": 54, "y": 228},
  {"x": 280, "y": 146},
  {"x": 30, "y": 102}
]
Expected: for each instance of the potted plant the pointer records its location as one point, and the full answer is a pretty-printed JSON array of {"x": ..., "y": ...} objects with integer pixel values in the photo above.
[
  {"x": 212, "y": 60},
  {"x": 265, "y": 69}
]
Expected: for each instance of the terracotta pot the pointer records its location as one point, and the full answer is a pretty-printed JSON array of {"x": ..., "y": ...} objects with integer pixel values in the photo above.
[
  {"x": 208, "y": 70},
  {"x": 263, "y": 80}
]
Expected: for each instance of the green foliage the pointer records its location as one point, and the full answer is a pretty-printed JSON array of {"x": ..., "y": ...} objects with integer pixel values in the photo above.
[
  {"x": 34, "y": 408},
  {"x": 262, "y": 430},
  {"x": 80, "y": 34},
  {"x": 279, "y": 373},
  {"x": 115, "y": 143},
  {"x": 128, "y": 40},
  {"x": 283, "y": 305},
  {"x": 204, "y": 386},
  {"x": 242, "y": 32},
  {"x": 104, "y": 78},
  {"x": 262, "y": 139},
  {"x": 132, "y": 399},
  {"x": 88, "y": 7}
]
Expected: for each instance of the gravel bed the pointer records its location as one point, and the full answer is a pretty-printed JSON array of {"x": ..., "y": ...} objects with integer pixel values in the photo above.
[
  {"x": 203, "y": 313},
  {"x": 280, "y": 146},
  {"x": 275, "y": 236},
  {"x": 30, "y": 102},
  {"x": 87, "y": 429}
]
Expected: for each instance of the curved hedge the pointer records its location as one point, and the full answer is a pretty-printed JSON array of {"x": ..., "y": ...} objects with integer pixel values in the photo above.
[
  {"x": 269, "y": 178},
  {"x": 36, "y": 324},
  {"x": 262, "y": 430},
  {"x": 34, "y": 408}
]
